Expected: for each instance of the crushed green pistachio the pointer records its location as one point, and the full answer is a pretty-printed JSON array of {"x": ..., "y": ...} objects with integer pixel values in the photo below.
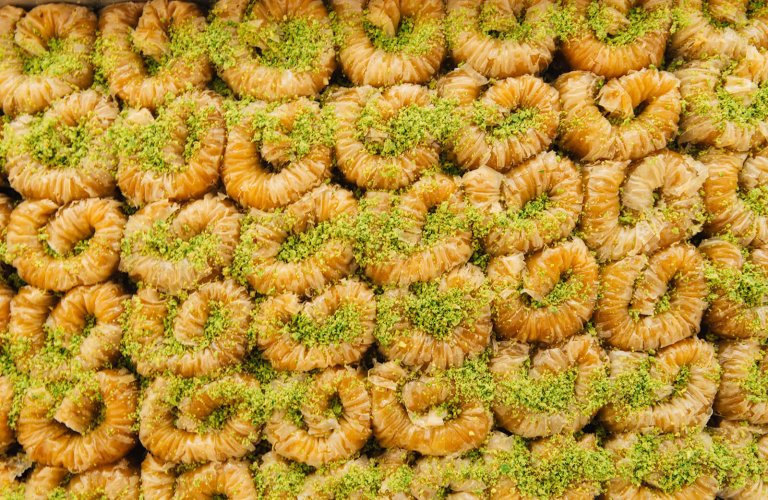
[
  {"x": 748, "y": 286},
  {"x": 412, "y": 38},
  {"x": 58, "y": 60},
  {"x": 147, "y": 144},
  {"x": 200, "y": 250},
  {"x": 640, "y": 21},
  {"x": 501, "y": 124},
  {"x": 411, "y": 126},
  {"x": 341, "y": 327},
  {"x": 756, "y": 384},
  {"x": 294, "y": 43},
  {"x": 56, "y": 145}
]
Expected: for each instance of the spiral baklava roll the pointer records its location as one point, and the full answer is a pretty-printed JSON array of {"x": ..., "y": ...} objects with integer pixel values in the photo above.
[
  {"x": 614, "y": 37},
  {"x": 151, "y": 52},
  {"x": 738, "y": 281},
  {"x": 231, "y": 479},
  {"x": 385, "y": 139},
  {"x": 544, "y": 297},
  {"x": 662, "y": 466},
  {"x": 749, "y": 446},
  {"x": 329, "y": 419},
  {"x": 174, "y": 155},
  {"x": 358, "y": 477},
  {"x": 648, "y": 302},
  {"x": 454, "y": 477},
  {"x": 80, "y": 424},
  {"x": 173, "y": 246},
  {"x": 275, "y": 156},
  {"x": 501, "y": 38},
  {"x": 386, "y": 42},
  {"x": 736, "y": 194},
  {"x": 532, "y": 205},
  {"x": 641, "y": 207},
  {"x": 63, "y": 155},
  {"x": 671, "y": 391},
  {"x": 743, "y": 393},
  {"x": 189, "y": 335},
  {"x": 564, "y": 466},
  {"x": 506, "y": 122},
  {"x": 80, "y": 330},
  {"x": 719, "y": 28},
  {"x": 624, "y": 118},
  {"x": 277, "y": 478},
  {"x": 272, "y": 49},
  {"x": 414, "y": 236},
  {"x": 725, "y": 101},
  {"x": 117, "y": 481},
  {"x": 436, "y": 323},
  {"x": 45, "y": 54},
  {"x": 431, "y": 413},
  {"x": 57, "y": 247},
  {"x": 201, "y": 419},
  {"x": 21, "y": 478},
  {"x": 299, "y": 249},
  {"x": 333, "y": 328},
  {"x": 548, "y": 391}
]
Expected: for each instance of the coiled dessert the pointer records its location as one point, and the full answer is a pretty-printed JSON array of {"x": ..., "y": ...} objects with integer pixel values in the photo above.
[
  {"x": 725, "y": 101},
  {"x": 544, "y": 297},
  {"x": 743, "y": 393},
  {"x": 189, "y": 335},
  {"x": 735, "y": 194},
  {"x": 333, "y": 328},
  {"x": 275, "y": 156},
  {"x": 271, "y": 49},
  {"x": 329, "y": 420},
  {"x": 45, "y": 54},
  {"x": 81, "y": 330},
  {"x": 430, "y": 414},
  {"x": 159, "y": 480},
  {"x": 615, "y": 37},
  {"x": 670, "y": 391},
  {"x": 649, "y": 302},
  {"x": 200, "y": 420},
  {"x": 118, "y": 481},
  {"x": 548, "y": 391},
  {"x": 415, "y": 236},
  {"x": 80, "y": 425},
  {"x": 624, "y": 118},
  {"x": 386, "y": 42},
  {"x": 719, "y": 27},
  {"x": 153, "y": 51},
  {"x": 57, "y": 247},
  {"x": 501, "y": 38},
  {"x": 672, "y": 467},
  {"x": 507, "y": 121},
  {"x": 385, "y": 139},
  {"x": 436, "y": 323},
  {"x": 749, "y": 444},
  {"x": 638, "y": 208},
  {"x": 173, "y": 246},
  {"x": 174, "y": 155},
  {"x": 562, "y": 466},
  {"x": 532, "y": 205},
  {"x": 299, "y": 249},
  {"x": 737, "y": 279},
  {"x": 64, "y": 155}
]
